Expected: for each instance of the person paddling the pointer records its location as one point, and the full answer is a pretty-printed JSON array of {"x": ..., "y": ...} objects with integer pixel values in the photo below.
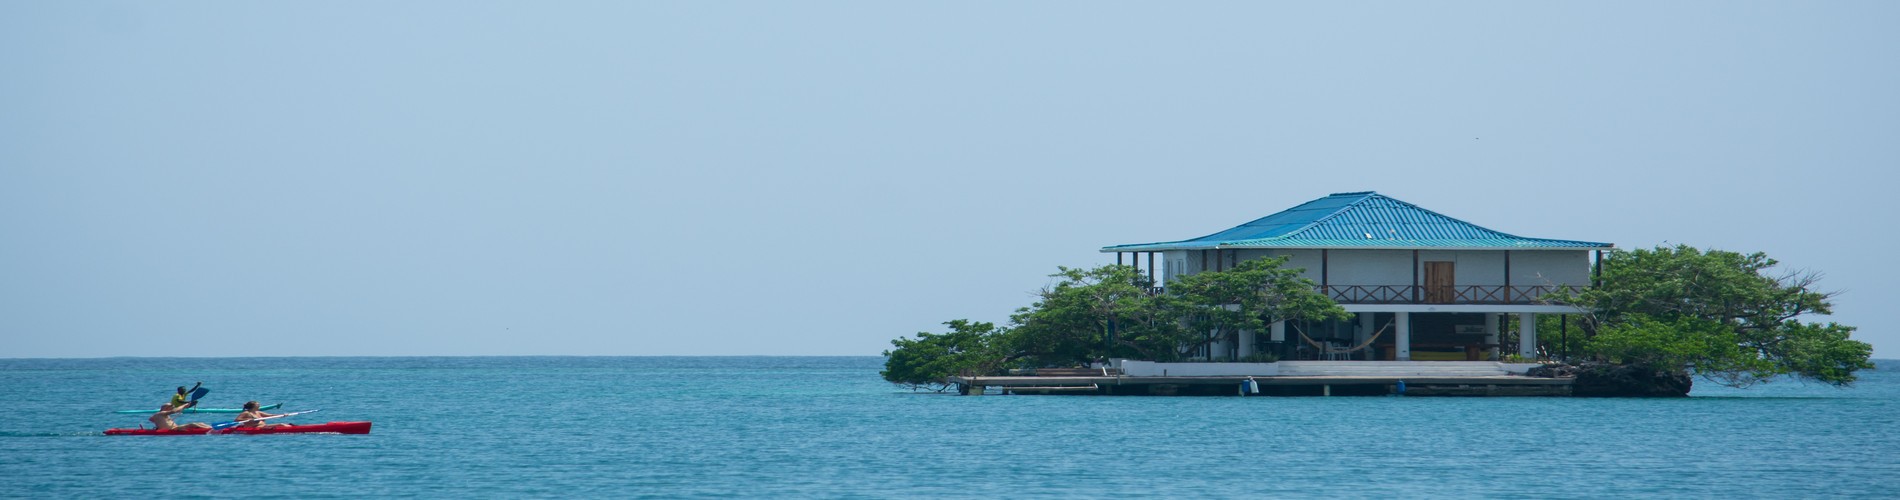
[
  {"x": 163, "y": 419},
  {"x": 251, "y": 417},
  {"x": 184, "y": 395}
]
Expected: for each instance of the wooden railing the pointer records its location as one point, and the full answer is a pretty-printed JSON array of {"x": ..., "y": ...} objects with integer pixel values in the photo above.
[
  {"x": 1421, "y": 294},
  {"x": 1466, "y": 294}
]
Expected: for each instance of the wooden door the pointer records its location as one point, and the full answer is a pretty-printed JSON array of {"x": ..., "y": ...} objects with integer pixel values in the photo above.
[{"x": 1438, "y": 283}]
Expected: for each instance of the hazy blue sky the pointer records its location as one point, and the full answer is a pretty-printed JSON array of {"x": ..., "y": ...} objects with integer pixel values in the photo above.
[{"x": 792, "y": 178}]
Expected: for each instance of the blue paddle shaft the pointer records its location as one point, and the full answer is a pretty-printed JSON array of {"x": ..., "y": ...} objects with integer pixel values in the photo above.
[{"x": 234, "y": 423}]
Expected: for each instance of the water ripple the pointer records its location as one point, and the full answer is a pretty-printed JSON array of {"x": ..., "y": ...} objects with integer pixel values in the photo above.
[{"x": 827, "y": 427}]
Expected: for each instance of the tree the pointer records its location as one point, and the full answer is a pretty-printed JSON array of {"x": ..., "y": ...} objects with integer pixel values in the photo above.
[
  {"x": 1107, "y": 311},
  {"x": 1725, "y": 315},
  {"x": 1251, "y": 296},
  {"x": 1557, "y": 334},
  {"x": 1709, "y": 347},
  {"x": 928, "y": 361}
]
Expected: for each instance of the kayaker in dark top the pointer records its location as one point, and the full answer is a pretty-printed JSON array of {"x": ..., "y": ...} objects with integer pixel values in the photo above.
[
  {"x": 163, "y": 419},
  {"x": 251, "y": 417}
]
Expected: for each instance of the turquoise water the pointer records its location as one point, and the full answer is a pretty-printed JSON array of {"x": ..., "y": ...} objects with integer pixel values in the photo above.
[{"x": 828, "y": 427}]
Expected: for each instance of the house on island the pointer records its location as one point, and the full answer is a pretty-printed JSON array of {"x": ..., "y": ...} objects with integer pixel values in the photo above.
[{"x": 1420, "y": 285}]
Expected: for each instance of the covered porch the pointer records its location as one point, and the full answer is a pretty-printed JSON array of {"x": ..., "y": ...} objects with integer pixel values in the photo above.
[{"x": 1403, "y": 332}]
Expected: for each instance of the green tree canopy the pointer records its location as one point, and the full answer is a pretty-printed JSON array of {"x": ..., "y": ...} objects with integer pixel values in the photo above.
[
  {"x": 928, "y": 361},
  {"x": 1683, "y": 342},
  {"x": 1251, "y": 296},
  {"x": 1725, "y": 315},
  {"x": 1107, "y": 311}
]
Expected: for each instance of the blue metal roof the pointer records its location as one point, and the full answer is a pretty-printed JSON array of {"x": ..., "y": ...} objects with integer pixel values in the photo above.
[{"x": 1358, "y": 220}]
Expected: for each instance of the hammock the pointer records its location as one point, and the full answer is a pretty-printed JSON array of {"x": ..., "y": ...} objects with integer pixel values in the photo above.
[{"x": 1329, "y": 349}]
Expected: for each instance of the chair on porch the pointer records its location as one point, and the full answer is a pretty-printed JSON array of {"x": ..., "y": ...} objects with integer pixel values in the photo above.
[{"x": 1335, "y": 349}]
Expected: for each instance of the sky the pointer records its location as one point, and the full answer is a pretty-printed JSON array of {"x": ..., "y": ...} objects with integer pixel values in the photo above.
[{"x": 818, "y": 178}]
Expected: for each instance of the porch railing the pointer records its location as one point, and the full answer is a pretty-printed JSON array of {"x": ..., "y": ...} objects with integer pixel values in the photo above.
[
  {"x": 1465, "y": 294},
  {"x": 1422, "y": 294}
]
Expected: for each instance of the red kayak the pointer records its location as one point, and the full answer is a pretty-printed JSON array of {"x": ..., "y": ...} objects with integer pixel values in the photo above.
[{"x": 330, "y": 428}]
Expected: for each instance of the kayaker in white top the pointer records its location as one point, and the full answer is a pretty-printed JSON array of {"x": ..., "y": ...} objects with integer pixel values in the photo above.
[
  {"x": 251, "y": 417},
  {"x": 163, "y": 419}
]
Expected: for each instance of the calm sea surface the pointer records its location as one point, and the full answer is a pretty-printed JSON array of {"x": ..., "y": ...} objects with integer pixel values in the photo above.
[{"x": 829, "y": 427}]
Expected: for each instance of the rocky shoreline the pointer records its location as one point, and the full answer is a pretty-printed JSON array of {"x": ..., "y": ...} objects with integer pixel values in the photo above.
[{"x": 1605, "y": 380}]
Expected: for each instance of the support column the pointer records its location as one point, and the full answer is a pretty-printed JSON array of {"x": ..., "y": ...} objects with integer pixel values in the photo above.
[
  {"x": 1246, "y": 344},
  {"x": 1509, "y": 297},
  {"x": 1491, "y": 321},
  {"x": 1366, "y": 326},
  {"x": 1414, "y": 276},
  {"x": 1527, "y": 335},
  {"x": 1151, "y": 267},
  {"x": 1277, "y": 333},
  {"x": 1402, "y": 341},
  {"x": 1563, "y": 336},
  {"x": 1325, "y": 284},
  {"x": 1596, "y": 278}
]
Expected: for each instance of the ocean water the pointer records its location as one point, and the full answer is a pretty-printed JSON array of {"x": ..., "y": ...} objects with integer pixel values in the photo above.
[{"x": 829, "y": 427}]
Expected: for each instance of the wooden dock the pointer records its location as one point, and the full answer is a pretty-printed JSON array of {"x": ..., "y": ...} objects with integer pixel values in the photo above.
[{"x": 1501, "y": 385}]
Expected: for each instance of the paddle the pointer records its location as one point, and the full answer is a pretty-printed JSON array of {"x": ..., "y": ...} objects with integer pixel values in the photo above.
[
  {"x": 198, "y": 393},
  {"x": 234, "y": 423}
]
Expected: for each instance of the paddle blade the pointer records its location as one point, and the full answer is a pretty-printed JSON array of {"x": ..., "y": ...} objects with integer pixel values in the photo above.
[{"x": 199, "y": 393}]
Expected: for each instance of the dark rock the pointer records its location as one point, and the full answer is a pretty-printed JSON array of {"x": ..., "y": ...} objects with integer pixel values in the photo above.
[
  {"x": 1552, "y": 371},
  {"x": 1605, "y": 380}
]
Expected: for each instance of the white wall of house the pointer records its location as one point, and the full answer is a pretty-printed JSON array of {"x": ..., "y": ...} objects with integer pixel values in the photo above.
[
  {"x": 1369, "y": 267},
  {"x": 1551, "y": 268},
  {"x": 1182, "y": 263},
  {"x": 1307, "y": 259},
  {"x": 1175, "y": 265}
]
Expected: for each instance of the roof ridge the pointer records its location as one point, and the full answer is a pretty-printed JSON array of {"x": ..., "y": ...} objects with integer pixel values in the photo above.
[
  {"x": 1343, "y": 209},
  {"x": 1453, "y": 219}
]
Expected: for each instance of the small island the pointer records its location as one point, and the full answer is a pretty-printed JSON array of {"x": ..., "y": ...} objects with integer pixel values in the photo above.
[{"x": 1363, "y": 294}]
